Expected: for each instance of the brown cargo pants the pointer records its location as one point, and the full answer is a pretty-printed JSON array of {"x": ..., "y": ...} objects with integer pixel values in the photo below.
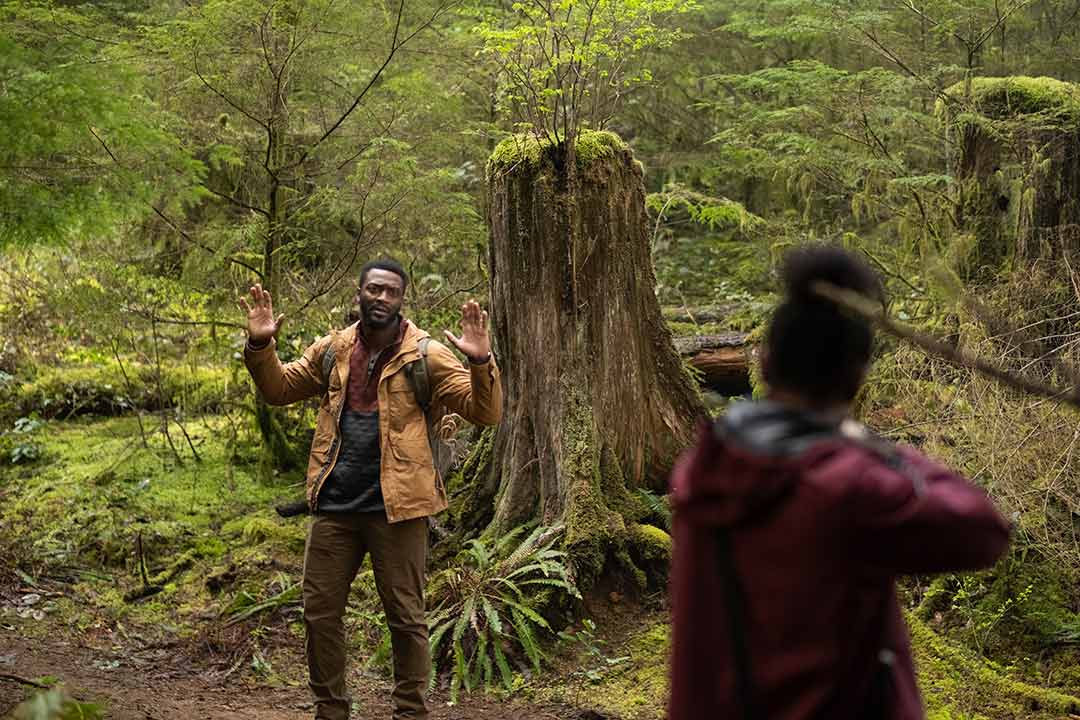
[{"x": 336, "y": 547}]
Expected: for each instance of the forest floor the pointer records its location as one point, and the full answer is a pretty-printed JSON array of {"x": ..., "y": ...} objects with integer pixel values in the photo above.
[
  {"x": 156, "y": 683},
  {"x": 101, "y": 516}
]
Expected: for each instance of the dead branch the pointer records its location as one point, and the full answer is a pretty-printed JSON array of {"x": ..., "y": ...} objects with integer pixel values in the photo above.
[
  {"x": 873, "y": 313},
  {"x": 23, "y": 681}
]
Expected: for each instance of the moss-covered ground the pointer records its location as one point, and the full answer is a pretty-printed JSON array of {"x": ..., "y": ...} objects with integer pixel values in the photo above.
[
  {"x": 110, "y": 515},
  {"x": 99, "y": 515}
]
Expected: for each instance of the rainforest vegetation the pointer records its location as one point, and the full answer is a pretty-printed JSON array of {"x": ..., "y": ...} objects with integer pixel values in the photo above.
[{"x": 615, "y": 181}]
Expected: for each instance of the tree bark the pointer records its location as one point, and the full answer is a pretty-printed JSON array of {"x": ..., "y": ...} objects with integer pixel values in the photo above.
[
  {"x": 598, "y": 403},
  {"x": 1020, "y": 184}
]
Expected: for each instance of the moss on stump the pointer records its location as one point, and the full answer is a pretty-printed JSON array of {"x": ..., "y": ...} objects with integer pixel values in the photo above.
[{"x": 529, "y": 150}]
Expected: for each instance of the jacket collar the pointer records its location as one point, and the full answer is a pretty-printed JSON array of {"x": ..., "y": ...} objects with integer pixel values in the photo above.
[
  {"x": 770, "y": 429},
  {"x": 407, "y": 350}
]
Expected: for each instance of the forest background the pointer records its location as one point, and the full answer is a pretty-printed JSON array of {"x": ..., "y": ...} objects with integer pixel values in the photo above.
[{"x": 157, "y": 158}]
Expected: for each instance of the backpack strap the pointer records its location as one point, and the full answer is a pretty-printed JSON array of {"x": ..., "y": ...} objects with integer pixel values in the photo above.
[
  {"x": 419, "y": 376},
  {"x": 735, "y": 602},
  {"x": 328, "y": 359}
]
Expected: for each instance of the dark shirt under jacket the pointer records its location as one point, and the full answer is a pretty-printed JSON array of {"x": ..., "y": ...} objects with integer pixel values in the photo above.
[{"x": 353, "y": 484}]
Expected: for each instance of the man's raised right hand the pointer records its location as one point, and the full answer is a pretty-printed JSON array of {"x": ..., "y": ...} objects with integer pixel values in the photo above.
[{"x": 261, "y": 323}]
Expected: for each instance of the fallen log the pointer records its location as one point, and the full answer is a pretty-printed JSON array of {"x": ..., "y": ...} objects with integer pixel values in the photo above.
[
  {"x": 701, "y": 314},
  {"x": 723, "y": 360}
]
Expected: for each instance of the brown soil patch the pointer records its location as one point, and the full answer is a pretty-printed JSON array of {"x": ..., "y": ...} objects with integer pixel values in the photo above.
[{"x": 152, "y": 684}]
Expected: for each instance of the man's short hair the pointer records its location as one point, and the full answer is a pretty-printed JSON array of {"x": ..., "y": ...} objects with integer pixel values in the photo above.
[{"x": 388, "y": 264}]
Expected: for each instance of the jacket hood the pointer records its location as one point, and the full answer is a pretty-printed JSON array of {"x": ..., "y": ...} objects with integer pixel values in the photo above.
[
  {"x": 747, "y": 461},
  {"x": 771, "y": 430}
]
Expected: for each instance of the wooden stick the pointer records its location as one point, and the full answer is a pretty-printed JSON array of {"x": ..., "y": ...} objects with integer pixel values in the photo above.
[
  {"x": 873, "y": 313},
  {"x": 23, "y": 681}
]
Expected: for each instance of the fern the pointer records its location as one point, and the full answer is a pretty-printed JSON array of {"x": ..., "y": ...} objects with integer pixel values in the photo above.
[
  {"x": 486, "y": 611},
  {"x": 658, "y": 506}
]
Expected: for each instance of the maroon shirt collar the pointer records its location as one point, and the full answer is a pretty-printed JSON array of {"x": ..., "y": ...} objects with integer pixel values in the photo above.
[
  {"x": 361, "y": 392},
  {"x": 403, "y": 325}
]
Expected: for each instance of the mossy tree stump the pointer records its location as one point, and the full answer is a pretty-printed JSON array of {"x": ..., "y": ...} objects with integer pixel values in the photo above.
[
  {"x": 1018, "y": 169},
  {"x": 597, "y": 401}
]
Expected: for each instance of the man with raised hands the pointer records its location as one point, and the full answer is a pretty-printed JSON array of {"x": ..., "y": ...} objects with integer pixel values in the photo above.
[{"x": 371, "y": 479}]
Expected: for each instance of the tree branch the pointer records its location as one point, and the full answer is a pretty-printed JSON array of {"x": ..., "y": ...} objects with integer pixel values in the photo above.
[
  {"x": 874, "y": 314},
  {"x": 228, "y": 100},
  {"x": 23, "y": 681},
  {"x": 200, "y": 245},
  {"x": 237, "y": 202},
  {"x": 395, "y": 46}
]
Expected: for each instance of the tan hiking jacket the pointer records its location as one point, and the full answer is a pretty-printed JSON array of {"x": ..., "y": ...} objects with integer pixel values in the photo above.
[{"x": 411, "y": 486}]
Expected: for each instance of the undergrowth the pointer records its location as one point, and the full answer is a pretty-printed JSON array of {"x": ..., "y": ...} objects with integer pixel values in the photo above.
[{"x": 488, "y": 604}]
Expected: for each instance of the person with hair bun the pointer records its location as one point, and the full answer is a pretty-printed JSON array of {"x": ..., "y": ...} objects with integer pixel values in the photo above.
[{"x": 792, "y": 522}]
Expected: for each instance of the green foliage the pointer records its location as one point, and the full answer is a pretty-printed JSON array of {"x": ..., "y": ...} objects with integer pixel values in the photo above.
[
  {"x": 626, "y": 679},
  {"x": 283, "y": 592},
  {"x": 658, "y": 506},
  {"x": 17, "y": 445},
  {"x": 597, "y": 663},
  {"x": 712, "y": 213},
  {"x": 958, "y": 684},
  {"x": 566, "y": 63},
  {"x": 56, "y": 704},
  {"x": 82, "y": 149},
  {"x": 487, "y": 606},
  {"x": 68, "y": 390}
]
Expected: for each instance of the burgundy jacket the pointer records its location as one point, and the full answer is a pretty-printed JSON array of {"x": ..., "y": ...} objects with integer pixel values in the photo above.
[{"x": 819, "y": 523}]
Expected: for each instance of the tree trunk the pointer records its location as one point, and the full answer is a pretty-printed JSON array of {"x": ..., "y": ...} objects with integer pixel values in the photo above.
[
  {"x": 597, "y": 400},
  {"x": 1019, "y": 172},
  {"x": 283, "y": 451}
]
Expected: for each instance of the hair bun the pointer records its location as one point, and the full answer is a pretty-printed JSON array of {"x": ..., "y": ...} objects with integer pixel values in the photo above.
[{"x": 804, "y": 266}]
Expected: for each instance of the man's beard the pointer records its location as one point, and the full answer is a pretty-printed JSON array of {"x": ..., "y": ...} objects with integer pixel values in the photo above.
[{"x": 378, "y": 318}]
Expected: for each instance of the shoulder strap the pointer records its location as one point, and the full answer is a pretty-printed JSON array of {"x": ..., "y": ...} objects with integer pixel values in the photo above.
[
  {"x": 328, "y": 359},
  {"x": 419, "y": 377},
  {"x": 735, "y": 602}
]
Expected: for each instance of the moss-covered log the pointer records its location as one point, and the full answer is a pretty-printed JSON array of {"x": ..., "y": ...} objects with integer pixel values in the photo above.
[
  {"x": 723, "y": 360},
  {"x": 1018, "y": 168},
  {"x": 597, "y": 400}
]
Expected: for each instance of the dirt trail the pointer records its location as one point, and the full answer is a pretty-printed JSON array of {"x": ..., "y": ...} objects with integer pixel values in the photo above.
[{"x": 145, "y": 688}]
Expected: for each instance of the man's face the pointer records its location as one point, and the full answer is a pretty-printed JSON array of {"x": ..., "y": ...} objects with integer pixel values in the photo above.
[{"x": 380, "y": 296}]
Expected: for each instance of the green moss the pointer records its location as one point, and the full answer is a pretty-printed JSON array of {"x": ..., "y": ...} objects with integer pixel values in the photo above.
[
  {"x": 1018, "y": 95},
  {"x": 594, "y": 145},
  {"x": 529, "y": 150},
  {"x": 101, "y": 389},
  {"x": 470, "y": 508},
  {"x": 652, "y": 542},
  {"x": 638, "y": 687},
  {"x": 262, "y": 528},
  {"x": 956, "y": 683},
  {"x": 592, "y": 527},
  {"x": 100, "y": 490}
]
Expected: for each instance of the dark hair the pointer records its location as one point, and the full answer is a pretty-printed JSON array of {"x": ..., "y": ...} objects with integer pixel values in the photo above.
[
  {"x": 388, "y": 264},
  {"x": 813, "y": 347}
]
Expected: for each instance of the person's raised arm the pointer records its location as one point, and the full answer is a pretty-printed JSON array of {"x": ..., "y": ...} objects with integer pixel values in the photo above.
[
  {"x": 475, "y": 393},
  {"x": 279, "y": 384},
  {"x": 920, "y": 516}
]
